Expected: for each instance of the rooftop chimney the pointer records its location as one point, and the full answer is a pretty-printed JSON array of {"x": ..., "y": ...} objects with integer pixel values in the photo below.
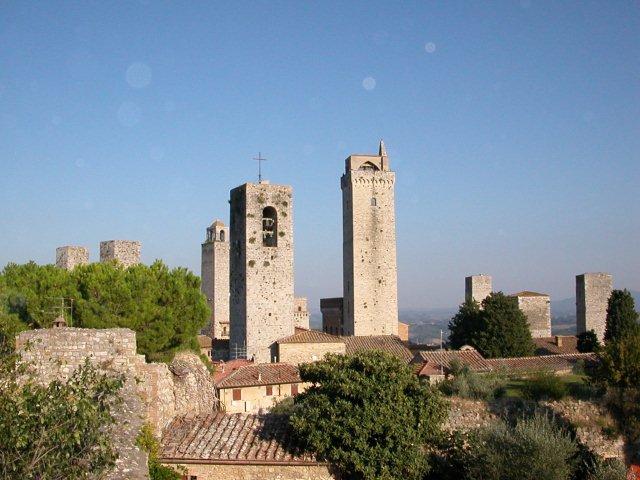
[{"x": 558, "y": 340}]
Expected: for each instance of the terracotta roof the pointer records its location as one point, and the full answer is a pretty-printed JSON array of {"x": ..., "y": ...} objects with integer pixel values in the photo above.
[
  {"x": 261, "y": 374},
  {"x": 386, "y": 343},
  {"x": 528, "y": 293},
  {"x": 434, "y": 360},
  {"x": 543, "y": 362},
  {"x": 310, "y": 336},
  {"x": 224, "y": 369},
  {"x": 205, "y": 341},
  {"x": 549, "y": 345},
  {"x": 221, "y": 438}
]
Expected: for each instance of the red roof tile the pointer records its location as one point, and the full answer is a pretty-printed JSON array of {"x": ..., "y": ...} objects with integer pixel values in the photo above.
[
  {"x": 543, "y": 362},
  {"x": 442, "y": 359},
  {"x": 549, "y": 345},
  {"x": 261, "y": 374},
  {"x": 310, "y": 336},
  {"x": 224, "y": 369},
  {"x": 528, "y": 293},
  {"x": 386, "y": 343},
  {"x": 231, "y": 438}
]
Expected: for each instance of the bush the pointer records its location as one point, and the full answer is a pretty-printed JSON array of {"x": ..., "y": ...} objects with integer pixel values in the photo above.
[
  {"x": 467, "y": 384},
  {"x": 147, "y": 441},
  {"x": 611, "y": 469},
  {"x": 534, "y": 448},
  {"x": 588, "y": 342},
  {"x": 544, "y": 385}
]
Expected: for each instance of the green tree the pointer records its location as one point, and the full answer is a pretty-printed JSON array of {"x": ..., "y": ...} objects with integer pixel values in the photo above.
[
  {"x": 465, "y": 324},
  {"x": 58, "y": 431},
  {"x": 164, "y": 307},
  {"x": 369, "y": 415},
  {"x": 499, "y": 329},
  {"x": 147, "y": 442},
  {"x": 620, "y": 362},
  {"x": 588, "y": 342},
  {"x": 622, "y": 317},
  {"x": 534, "y": 448}
]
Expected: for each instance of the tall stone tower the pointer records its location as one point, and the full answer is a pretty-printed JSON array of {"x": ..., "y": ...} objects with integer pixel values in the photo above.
[
  {"x": 126, "y": 252},
  {"x": 369, "y": 246},
  {"x": 68, "y": 257},
  {"x": 215, "y": 278},
  {"x": 477, "y": 287},
  {"x": 592, "y": 296},
  {"x": 261, "y": 269}
]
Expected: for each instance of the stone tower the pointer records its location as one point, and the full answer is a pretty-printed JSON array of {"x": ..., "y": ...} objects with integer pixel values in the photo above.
[
  {"x": 68, "y": 257},
  {"x": 127, "y": 252},
  {"x": 592, "y": 296},
  {"x": 261, "y": 280},
  {"x": 369, "y": 246},
  {"x": 537, "y": 308},
  {"x": 214, "y": 275},
  {"x": 477, "y": 287}
]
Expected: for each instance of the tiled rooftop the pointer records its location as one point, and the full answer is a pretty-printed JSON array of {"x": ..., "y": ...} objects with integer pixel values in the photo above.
[
  {"x": 310, "y": 336},
  {"x": 543, "y": 362},
  {"x": 231, "y": 438},
  {"x": 387, "y": 343},
  {"x": 528, "y": 293},
  {"x": 434, "y": 360},
  {"x": 549, "y": 345},
  {"x": 261, "y": 374}
]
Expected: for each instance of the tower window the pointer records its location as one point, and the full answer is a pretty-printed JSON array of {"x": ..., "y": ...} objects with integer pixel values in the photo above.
[
  {"x": 222, "y": 235},
  {"x": 269, "y": 227},
  {"x": 374, "y": 201}
]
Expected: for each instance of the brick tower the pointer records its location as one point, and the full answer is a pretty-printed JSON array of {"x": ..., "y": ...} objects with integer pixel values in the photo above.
[
  {"x": 261, "y": 280},
  {"x": 215, "y": 278},
  {"x": 369, "y": 246}
]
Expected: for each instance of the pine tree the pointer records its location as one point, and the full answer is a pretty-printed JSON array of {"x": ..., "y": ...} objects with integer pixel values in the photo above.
[{"x": 622, "y": 317}]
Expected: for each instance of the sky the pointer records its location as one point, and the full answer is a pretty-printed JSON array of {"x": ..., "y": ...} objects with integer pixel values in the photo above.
[{"x": 513, "y": 128}]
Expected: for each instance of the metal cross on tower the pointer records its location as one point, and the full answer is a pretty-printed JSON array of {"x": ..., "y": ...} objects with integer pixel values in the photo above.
[{"x": 259, "y": 159}]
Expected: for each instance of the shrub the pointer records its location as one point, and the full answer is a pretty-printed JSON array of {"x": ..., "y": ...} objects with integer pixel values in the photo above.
[
  {"x": 534, "y": 448},
  {"x": 147, "y": 441},
  {"x": 588, "y": 342},
  {"x": 544, "y": 385},
  {"x": 467, "y": 384},
  {"x": 611, "y": 469}
]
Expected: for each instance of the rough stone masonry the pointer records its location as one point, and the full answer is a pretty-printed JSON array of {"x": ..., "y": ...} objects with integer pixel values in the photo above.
[{"x": 126, "y": 252}]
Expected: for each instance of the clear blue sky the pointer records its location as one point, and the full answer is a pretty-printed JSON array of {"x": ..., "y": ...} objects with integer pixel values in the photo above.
[{"x": 513, "y": 128}]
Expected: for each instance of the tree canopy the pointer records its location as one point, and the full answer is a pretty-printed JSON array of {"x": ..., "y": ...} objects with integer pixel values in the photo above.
[
  {"x": 498, "y": 329},
  {"x": 57, "y": 431},
  {"x": 164, "y": 307},
  {"x": 622, "y": 317},
  {"x": 369, "y": 415}
]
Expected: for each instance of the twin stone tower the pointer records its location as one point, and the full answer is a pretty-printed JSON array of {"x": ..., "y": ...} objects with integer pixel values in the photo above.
[{"x": 247, "y": 270}]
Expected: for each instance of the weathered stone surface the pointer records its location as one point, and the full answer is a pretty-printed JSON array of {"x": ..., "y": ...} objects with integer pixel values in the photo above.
[
  {"x": 215, "y": 278},
  {"x": 257, "y": 472},
  {"x": 193, "y": 385},
  {"x": 477, "y": 287},
  {"x": 126, "y": 252},
  {"x": 370, "y": 288},
  {"x": 537, "y": 308},
  {"x": 261, "y": 284},
  {"x": 68, "y": 257},
  {"x": 300, "y": 312},
  {"x": 592, "y": 296}
]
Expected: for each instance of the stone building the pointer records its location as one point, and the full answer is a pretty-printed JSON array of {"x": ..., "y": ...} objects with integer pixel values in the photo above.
[
  {"x": 261, "y": 280},
  {"x": 126, "y": 252},
  {"x": 309, "y": 346},
  {"x": 300, "y": 313},
  {"x": 68, "y": 257},
  {"x": 369, "y": 246},
  {"x": 403, "y": 331},
  {"x": 214, "y": 276},
  {"x": 255, "y": 387},
  {"x": 537, "y": 308},
  {"x": 592, "y": 297},
  {"x": 477, "y": 287},
  {"x": 331, "y": 309}
]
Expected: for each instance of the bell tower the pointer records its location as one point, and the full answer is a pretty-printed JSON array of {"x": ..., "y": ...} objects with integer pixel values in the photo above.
[
  {"x": 214, "y": 276},
  {"x": 370, "y": 305}
]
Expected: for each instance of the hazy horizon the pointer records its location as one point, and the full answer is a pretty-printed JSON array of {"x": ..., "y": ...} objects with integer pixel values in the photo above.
[{"x": 512, "y": 129}]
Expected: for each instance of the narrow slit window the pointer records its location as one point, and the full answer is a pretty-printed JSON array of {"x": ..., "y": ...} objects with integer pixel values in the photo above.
[
  {"x": 269, "y": 227},
  {"x": 374, "y": 201}
]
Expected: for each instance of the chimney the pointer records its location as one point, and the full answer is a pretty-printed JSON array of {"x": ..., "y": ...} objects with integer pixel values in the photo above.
[
  {"x": 259, "y": 376},
  {"x": 558, "y": 340}
]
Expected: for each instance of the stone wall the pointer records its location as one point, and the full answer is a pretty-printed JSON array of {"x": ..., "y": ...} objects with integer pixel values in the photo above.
[
  {"x": 215, "y": 278},
  {"x": 254, "y": 398},
  {"x": 332, "y": 319},
  {"x": 261, "y": 286},
  {"x": 370, "y": 289},
  {"x": 592, "y": 296},
  {"x": 403, "y": 331},
  {"x": 68, "y": 257},
  {"x": 297, "y": 353},
  {"x": 152, "y": 393},
  {"x": 477, "y": 287},
  {"x": 537, "y": 309},
  {"x": 238, "y": 471},
  {"x": 126, "y": 252}
]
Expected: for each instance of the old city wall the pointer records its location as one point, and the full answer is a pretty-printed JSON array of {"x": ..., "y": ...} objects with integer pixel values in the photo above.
[
  {"x": 257, "y": 472},
  {"x": 152, "y": 393}
]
